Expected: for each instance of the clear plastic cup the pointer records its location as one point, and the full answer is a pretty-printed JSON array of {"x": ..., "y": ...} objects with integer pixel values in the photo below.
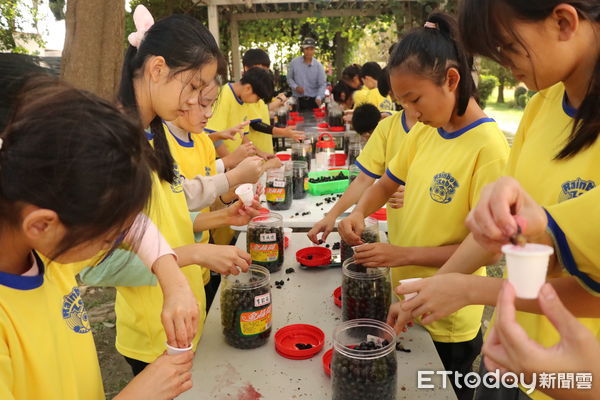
[
  {"x": 246, "y": 193},
  {"x": 409, "y": 296},
  {"x": 527, "y": 267},
  {"x": 177, "y": 350}
]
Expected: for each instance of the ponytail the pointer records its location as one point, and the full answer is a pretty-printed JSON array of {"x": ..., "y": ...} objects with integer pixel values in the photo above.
[{"x": 430, "y": 50}]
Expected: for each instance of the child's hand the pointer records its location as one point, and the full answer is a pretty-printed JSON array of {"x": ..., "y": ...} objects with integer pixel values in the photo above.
[
  {"x": 232, "y": 132},
  {"x": 438, "y": 296},
  {"x": 381, "y": 255},
  {"x": 179, "y": 314},
  {"x": 226, "y": 260},
  {"x": 398, "y": 318},
  {"x": 351, "y": 227},
  {"x": 166, "y": 378},
  {"x": 397, "y": 199},
  {"x": 240, "y": 215}
]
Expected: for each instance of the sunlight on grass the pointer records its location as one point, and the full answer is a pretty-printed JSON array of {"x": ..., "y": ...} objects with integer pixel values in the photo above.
[{"x": 506, "y": 114}]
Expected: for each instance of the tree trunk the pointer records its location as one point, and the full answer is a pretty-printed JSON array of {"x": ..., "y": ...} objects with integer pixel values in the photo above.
[
  {"x": 340, "y": 48},
  {"x": 93, "y": 51},
  {"x": 500, "y": 99}
]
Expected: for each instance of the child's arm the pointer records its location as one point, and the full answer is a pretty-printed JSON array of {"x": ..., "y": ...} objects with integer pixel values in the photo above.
[
  {"x": 378, "y": 254},
  {"x": 350, "y": 197}
]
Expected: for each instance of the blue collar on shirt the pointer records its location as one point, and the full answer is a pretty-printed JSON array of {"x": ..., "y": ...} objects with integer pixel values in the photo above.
[
  {"x": 404, "y": 124},
  {"x": 455, "y": 134},
  {"x": 182, "y": 143},
  {"x": 21, "y": 282},
  {"x": 149, "y": 135},
  {"x": 567, "y": 107},
  {"x": 234, "y": 95}
]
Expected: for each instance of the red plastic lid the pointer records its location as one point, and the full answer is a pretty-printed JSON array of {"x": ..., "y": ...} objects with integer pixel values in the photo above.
[
  {"x": 320, "y": 256},
  {"x": 292, "y": 122},
  {"x": 294, "y": 113},
  {"x": 287, "y": 337},
  {"x": 338, "y": 159},
  {"x": 327, "y": 361},
  {"x": 380, "y": 214},
  {"x": 316, "y": 109},
  {"x": 284, "y": 156},
  {"x": 299, "y": 119},
  {"x": 337, "y": 297},
  {"x": 323, "y": 125},
  {"x": 327, "y": 144},
  {"x": 264, "y": 210},
  {"x": 286, "y": 242},
  {"x": 337, "y": 129}
]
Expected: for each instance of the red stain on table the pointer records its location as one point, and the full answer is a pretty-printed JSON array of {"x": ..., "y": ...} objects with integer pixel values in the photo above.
[{"x": 248, "y": 392}]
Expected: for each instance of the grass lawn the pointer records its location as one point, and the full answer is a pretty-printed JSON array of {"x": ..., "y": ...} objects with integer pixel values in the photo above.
[{"x": 506, "y": 114}]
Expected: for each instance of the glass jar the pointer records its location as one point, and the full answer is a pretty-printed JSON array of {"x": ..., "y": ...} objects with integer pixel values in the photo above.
[
  {"x": 353, "y": 172},
  {"x": 364, "y": 364},
  {"x": 369, "y": 235},
  {"x": 279, "y": 188},
  {"x": 350, "y": 136},
  {"x": 282, "y": 117},
  {"x": 264, "y": 241},
  {"x": 367, "y": 292},
  {"x": 336, "y": 116},
  {"x": 325, "y": 149},
  {"x": 301, "y": 152},
  {"x": 338, "y": 138},
  {"x": 300, "y": 179},
  {"x": 353, "y": 152},
  {"x": 246, "y": 308}
]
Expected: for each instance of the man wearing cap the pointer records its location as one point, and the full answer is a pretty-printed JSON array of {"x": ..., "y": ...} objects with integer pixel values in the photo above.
[{"x": 306, "y": 77}]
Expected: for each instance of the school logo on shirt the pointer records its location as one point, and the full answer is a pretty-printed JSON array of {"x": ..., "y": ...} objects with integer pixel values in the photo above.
[
  {"x": 73, "y": 312},
  {"x": 386, "y": 105},
  {"x": 574, "y": 188},
  {"x": 176, "y": 186},
  {"x": 443, "y": 188}
]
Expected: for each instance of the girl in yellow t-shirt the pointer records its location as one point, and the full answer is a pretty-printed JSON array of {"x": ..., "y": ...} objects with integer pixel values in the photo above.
[
  {"x": 163, "y": 74},
  {"x": 71, "y": 194},
  {"x": 445, "y": 160},
  {"x": 554, "y": 159}
]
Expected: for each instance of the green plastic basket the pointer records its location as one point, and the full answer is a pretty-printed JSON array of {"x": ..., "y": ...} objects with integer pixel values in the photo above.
[{"x": 317, "y": 189}]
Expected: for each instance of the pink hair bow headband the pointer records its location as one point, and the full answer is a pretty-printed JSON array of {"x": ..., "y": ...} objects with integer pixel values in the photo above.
[
  {"x": 431, "y": 25},
  {"x": 143, "y": 21}
]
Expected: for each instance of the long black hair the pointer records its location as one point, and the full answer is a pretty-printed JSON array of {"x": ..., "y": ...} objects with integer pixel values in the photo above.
[
  {"x": 72, "y": 152},
  {"x": 431, "y": 51},
  {"x": 496, "y": 16},
  {"x": 186, "y": 45}
]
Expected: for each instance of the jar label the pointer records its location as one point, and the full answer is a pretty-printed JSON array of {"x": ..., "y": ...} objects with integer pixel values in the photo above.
[
  {"x": 275, "y": 195},
  {"x": 262, "y": 300},
  {"x": 268, "y": 237},
  {"x": 264, "y": 252},
  {"x": 255, "y": 322},
  {"x": 305, "y": 184},
  {"x": 279, "y": 184}
]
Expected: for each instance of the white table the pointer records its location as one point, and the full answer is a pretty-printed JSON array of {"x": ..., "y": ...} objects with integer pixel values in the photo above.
[{"x": 222, "y": 372}]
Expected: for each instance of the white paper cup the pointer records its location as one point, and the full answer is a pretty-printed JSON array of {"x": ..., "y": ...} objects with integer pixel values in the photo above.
[
  {"x": 176, "y": 350},
  {"x": 246, "y": 193},
  {"x": 527, "y": 266},
  {"x": 409, "y": 296}
]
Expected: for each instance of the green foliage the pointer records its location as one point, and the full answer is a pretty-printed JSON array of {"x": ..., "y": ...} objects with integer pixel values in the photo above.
[
  {"x": 13, "y": 17},
  {"x": 522, "y": 100},
  {"x": 487, "y": 83},
  {"x": 520, "y": 90}
]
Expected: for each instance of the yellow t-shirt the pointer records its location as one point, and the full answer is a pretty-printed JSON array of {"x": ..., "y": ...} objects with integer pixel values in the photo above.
[
  {"x": 194, "y": 157},
  {"x": 229, "y": 111},
  {"x": 544, "y": 129},
  {"x": 46, "y": 346},
  {"x": 382, "y": 103},
  {"x": 382, "y": 146},
  {"x": 577, "y": 241},
  {"x": 444, "y": 174},
  {"x": 360, "y": 96},
  {"x": 260, "y": 112},
  {"x": 140, "y": 334}
]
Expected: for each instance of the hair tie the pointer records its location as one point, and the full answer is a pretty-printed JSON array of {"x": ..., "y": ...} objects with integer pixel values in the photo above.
[
  {"x": 431, "y": 25},
  {"x": 1, "y": 142},
  {"x": 143, "y": 21}
]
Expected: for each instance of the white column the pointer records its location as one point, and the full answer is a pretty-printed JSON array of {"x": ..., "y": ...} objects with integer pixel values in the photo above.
[
  {"x": 213, "y": 21},
  {"x": 235, "y": 49}
]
